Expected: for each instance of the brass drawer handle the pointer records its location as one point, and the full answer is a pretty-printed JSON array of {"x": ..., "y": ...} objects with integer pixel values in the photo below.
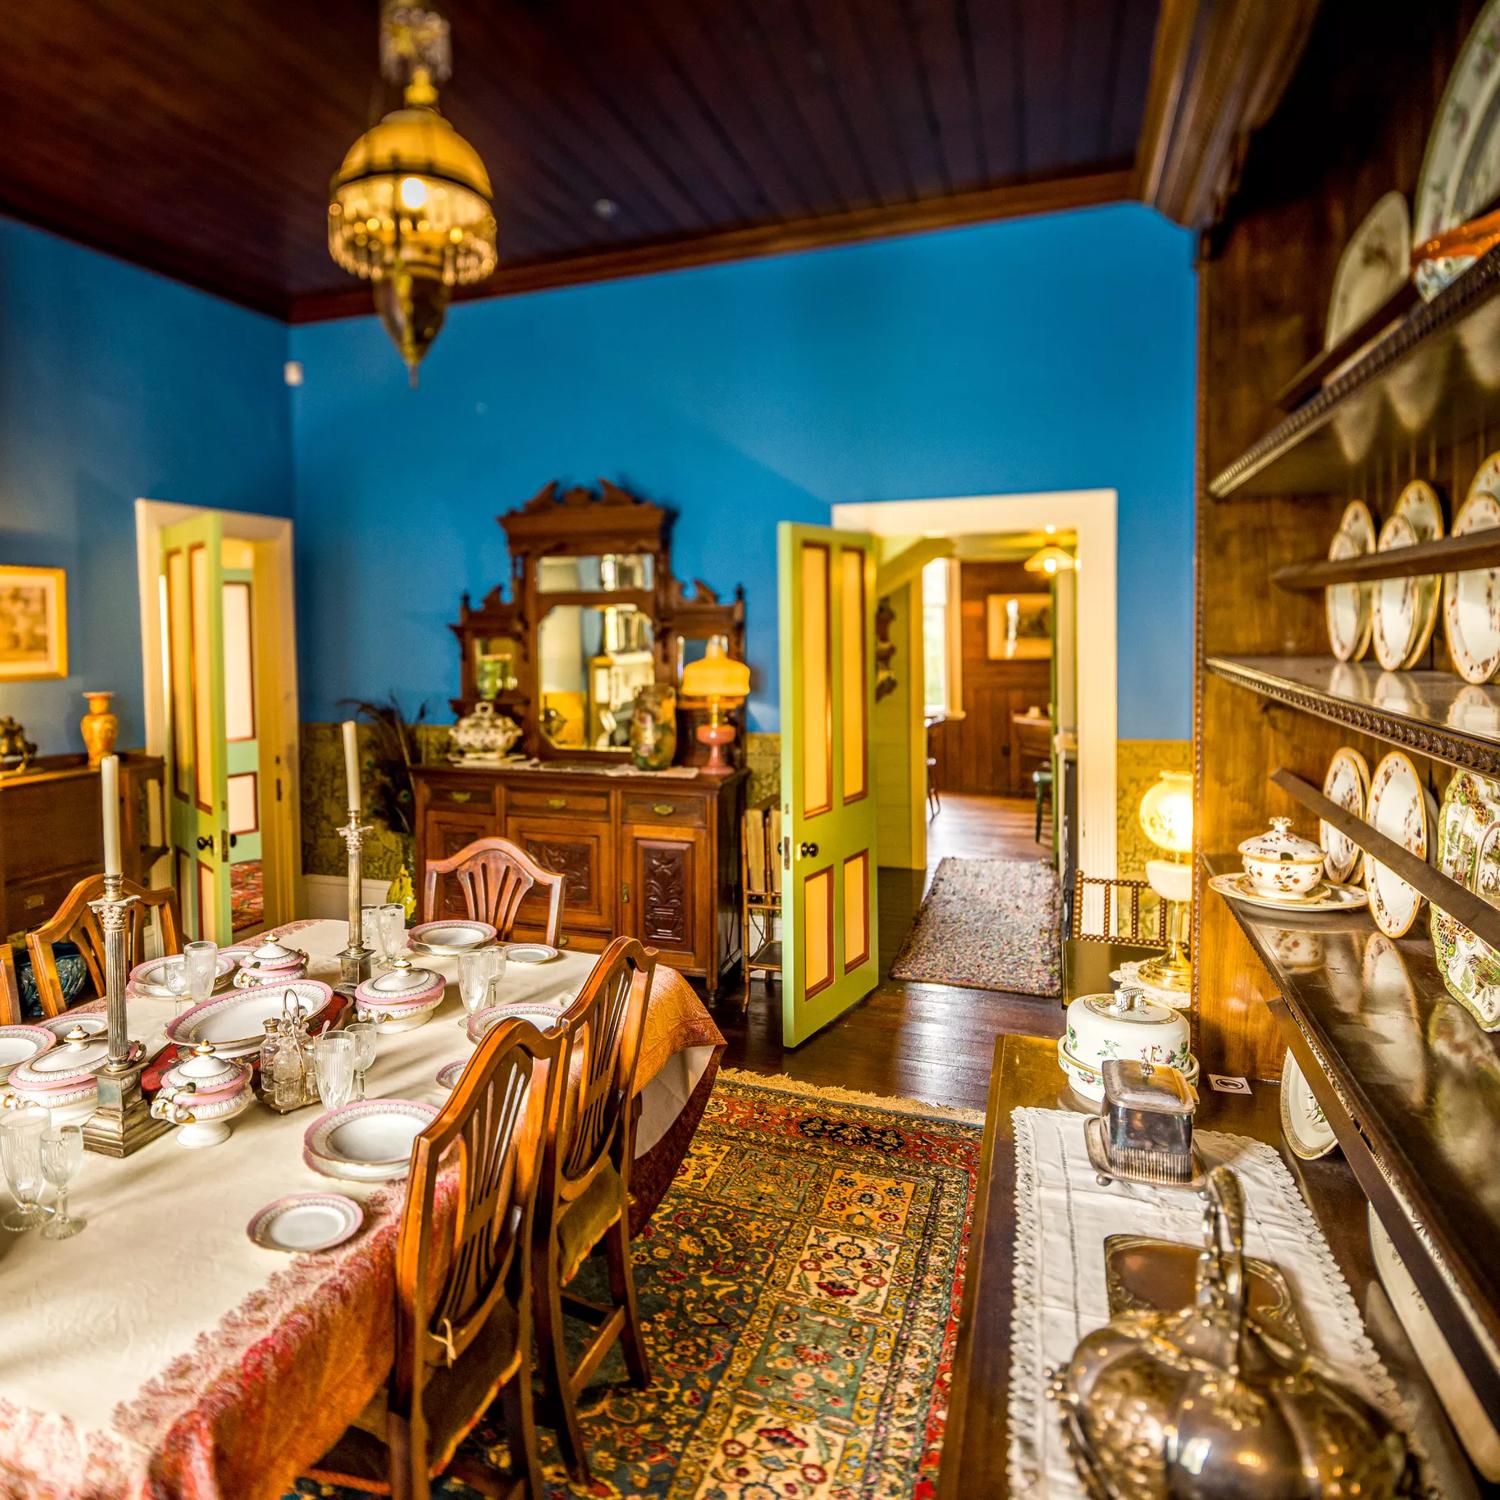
[
  {"x": 663, "y": 809},
  {"x": 35, "y": 900},
  {"x": 564, "y": 941},
  {"x": 459, "y": 796},
  {"x": 556, "y": 803}
]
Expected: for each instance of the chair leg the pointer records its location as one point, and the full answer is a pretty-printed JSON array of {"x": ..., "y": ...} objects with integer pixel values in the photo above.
[
  {"x": 405, "y": 1484},
  {"x": 520, "y": 1432},
  {"x": 560, "y": 1405},
  {"x": 622, "y": 1292}
]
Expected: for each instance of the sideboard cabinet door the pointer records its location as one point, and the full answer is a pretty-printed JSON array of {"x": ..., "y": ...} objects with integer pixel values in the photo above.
[
  {"x": 665, "y": 899},
  {"x": 444, "y": 833},
  {"x": 585, "y": 853}
]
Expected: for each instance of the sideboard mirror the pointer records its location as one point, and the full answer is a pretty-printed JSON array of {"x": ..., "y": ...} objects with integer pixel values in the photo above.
[{"x": 594, "y": 615}]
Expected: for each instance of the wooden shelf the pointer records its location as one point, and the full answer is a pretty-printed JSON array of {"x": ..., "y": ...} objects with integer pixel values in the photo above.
[
  {"x": 1449, "y": 554},
  {"x": 1431, "y": 713},
  {"x": 1436, "y": 363},
  {"x": 1411, "y": 1087}
]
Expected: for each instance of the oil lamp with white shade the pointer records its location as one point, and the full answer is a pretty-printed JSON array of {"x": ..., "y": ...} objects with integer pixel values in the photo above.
[{"x": 1167, "y": 820}]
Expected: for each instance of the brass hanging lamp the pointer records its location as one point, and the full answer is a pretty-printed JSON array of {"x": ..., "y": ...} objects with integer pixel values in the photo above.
[{"x": 411, "y": 207}]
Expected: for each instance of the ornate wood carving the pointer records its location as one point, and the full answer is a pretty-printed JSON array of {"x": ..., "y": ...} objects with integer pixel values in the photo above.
[
  {"x": 666, "y": 892},
  {"x": 569, "y": 858}
]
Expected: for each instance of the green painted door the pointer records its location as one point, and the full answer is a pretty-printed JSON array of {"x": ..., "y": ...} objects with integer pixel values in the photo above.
[
  {"x": 192, "y": 595},
  {"x": 830, "y": 953}
]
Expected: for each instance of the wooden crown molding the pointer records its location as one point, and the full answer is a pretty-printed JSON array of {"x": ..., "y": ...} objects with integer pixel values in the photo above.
[
  {"x": 1218, "y": 69},
  {"x": 1014, "y": 201}
]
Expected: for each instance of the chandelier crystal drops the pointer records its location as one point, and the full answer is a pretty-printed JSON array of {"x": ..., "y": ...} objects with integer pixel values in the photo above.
[{"x": 411, "y": 210}]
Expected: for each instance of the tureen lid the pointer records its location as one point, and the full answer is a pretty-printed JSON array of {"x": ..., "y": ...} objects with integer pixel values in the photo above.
[
  {"x": 273, "y": 952},
  {"x": 401, "y": 986},
  {"x": 1280, "y": 843},
  {"x": 205, "y": 1069},
  {"x": 80, "y": 1056}
]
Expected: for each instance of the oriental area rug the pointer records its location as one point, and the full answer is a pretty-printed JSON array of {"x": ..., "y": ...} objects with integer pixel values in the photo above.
[
  {"x": 800, "y": 1285},
  {"x": 988, "y": 924}
]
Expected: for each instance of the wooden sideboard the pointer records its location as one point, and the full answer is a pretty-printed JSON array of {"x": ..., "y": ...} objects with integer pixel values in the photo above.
[
  {"x": 51, "y": 831},
  {"x": 651, "y": 857}
]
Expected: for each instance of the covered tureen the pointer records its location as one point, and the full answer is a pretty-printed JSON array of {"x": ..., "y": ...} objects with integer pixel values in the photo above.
[
  {"x": 64, "y": 1080},
  {"x": 484, "y": 735},
  {"x": 273, "y": 962},
  {"x": 1282, "y": 863},
  {"x": 1123, "y": 1025},
  {"x": 202, "y": 1094},
  {"x": 400, "y": 999}
]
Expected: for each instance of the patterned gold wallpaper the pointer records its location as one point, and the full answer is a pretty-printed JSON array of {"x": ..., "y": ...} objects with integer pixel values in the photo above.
[{"x": 1137, "y": 764}]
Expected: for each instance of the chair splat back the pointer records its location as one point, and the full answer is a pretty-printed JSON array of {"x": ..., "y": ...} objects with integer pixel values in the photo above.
[
  {"x": 74, "y": 922},
  {"x": 495, "y": 876}
]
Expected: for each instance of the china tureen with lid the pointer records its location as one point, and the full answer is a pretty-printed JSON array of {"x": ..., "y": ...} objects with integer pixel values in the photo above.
[
  {"x": 1282, "y": 863},
  {"x": 63, "y": 1079},
  {"x": 484, "y": 735},
  {"x": 271, "y": 963},
  {"x": 1122, "y": 1025},
  {"x": 202, "y": 1094},
  {"x": 400, "y": 999}
]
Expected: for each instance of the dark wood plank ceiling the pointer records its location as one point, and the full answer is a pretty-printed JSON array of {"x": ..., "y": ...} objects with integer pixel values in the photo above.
[{"x": 198, "y": 138}]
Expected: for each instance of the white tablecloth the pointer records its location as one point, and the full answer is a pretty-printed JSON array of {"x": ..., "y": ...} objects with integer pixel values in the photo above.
[{"x": 136, "y": 1357}]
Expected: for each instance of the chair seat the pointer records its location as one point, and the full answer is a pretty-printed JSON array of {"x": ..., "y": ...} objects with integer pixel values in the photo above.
[
  {"x": 584, "y": 1221},
  {"x": 360, "y": 1458}
]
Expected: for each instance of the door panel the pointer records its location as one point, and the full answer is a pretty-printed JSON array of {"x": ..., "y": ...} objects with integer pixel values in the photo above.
[
  {"x": 444, "y": 833},
  {"x": 658, "y": 898},
  {"x": 584, "y": 854},
  {"x": 192, "y": 586},
  {"x": 829, "y": 920}
]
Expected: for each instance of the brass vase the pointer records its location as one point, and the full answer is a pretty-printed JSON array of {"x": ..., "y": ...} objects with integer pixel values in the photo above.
[{"x": 100, "y": 727}]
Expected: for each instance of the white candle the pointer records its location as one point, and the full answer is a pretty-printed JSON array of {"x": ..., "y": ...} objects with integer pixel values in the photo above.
[
  {"x": 109, "y": 785},
  {"x": 351, "y": 762}
]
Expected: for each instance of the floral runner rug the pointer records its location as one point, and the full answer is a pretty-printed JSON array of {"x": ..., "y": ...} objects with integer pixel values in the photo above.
[
  {"x": 988, "y": 924},
  {"x": 800, "y": 1285}
]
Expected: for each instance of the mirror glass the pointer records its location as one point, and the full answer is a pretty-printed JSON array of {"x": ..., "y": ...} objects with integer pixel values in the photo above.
[
  {"x": 495, "y": 661},
  {"x": 692, "y": 648},
  {"x": 605, "y": 574},
  {"x": 592, "y": 659}
]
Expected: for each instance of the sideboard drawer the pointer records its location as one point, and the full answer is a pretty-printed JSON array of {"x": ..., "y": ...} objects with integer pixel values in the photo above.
[
  {"x": 29, "y": 903},
  {"x": 560, "y": 802},
  {"x": 464, "y": 795},
  {"x": 681, "y": 812}
]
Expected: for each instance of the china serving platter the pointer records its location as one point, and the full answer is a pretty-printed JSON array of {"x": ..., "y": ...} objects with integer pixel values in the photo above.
[
  {"x": 1468, "y": 851},
  {"x": 1471, "y": 599},
  {"x": 1372, "y": 267},
  {"x": 1347, "y": 783},
  {"x": 19, "y": 1044},
  {"x": 1346, "y": 606},
  {"x": 1461, "y": 166},
  {"x": 1404, "y": 610},
  {"x": 366, "y": 1141},
  {"x": 451, "y": 936},
  {"x": 1398, "y": 807},
  {"x": 1307, "y": 1130},
  {"x": 530, "y": 953},
  {"x": 1326, "y": 897},
  {"x": 304, "y": 1222},
  {"x": 150, "y": 978},
  {"x": 236, "y": 1023}
]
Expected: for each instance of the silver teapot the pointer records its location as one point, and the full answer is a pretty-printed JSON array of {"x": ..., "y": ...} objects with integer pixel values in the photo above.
[{"x": 1205, "y": 1403}]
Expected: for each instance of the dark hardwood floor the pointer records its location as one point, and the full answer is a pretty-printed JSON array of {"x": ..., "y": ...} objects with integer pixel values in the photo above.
[{"x": 920, "y": 1041}]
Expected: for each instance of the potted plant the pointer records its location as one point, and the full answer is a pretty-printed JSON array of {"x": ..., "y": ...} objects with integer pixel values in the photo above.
[{"x": 390, "y": 751}]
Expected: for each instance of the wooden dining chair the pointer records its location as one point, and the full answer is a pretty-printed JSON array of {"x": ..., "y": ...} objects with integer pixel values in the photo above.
[
  {"x": 10, "y": 986},
  {"x": 495, "y": 876},
  {"x": 463, "y": 1283},
  {"x": 585, "y": 1194},
  {"x": 74, "y": 923}
]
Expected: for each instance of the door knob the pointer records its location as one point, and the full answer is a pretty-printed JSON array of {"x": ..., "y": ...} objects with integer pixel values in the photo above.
[
  {"x": 807, "y": 851},
  {"x": 205, "y": 841}
]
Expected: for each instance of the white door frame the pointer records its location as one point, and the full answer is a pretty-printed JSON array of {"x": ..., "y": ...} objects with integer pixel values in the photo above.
[
  {"x": 1092, "y": 515},
  {"x": 278, "y": 705}
]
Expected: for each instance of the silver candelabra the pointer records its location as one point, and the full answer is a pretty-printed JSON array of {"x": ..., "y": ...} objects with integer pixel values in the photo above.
[
  {"x": 354, "y": 961},
  {"x": 122, "y": 1123}
]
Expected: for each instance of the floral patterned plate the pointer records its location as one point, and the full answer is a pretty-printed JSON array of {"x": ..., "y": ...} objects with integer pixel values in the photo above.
[
  {"x": 1400, "y": 627},
  {"x": 1373, "y": 266},
  {"x": 1471, "y": 600},
  {"x": 1347, "y": 605},
  {"x": 1348, "y": 784},
  {"x": 1399, "y": 807},
  {"x": 1325, "y": 897},
  {"x": 1468, "y": 851},
  {"x": 1307, "y": 1130}
]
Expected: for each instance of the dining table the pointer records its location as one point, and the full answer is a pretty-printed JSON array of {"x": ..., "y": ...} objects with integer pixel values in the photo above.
[{"x": 160, "y": 1354}]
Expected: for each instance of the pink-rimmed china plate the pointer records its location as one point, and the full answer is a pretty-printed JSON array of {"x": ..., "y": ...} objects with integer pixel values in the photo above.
[
  {"x": 301, "y": 1223},
  {"x": 236, "y": 1022},
  {"x": 150, "y": 978},
  {"x": 368, "y": 1140},
  {"x": 19, "y": 1044},
  {"x": 530, "y": 953},
  {"x": 542, "y": 1015},
  {"x": 449, "y": 1074},
  {"x": 451, "y": 935}
]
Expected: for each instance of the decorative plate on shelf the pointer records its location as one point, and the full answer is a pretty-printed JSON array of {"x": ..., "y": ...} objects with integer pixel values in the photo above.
[
  {"x": 1468, "y": 851},
  {"x": 1348, "y": 784},
  {"x": 1471, "y": 599},
  {"x": 1347, "y": 605},
  {"x": 1323, "y": 898},
  {"x": 1461, "y": 168},
  {"x": 304, "y": 1222},
  {"x": 1398, "y": 807},
  {"x": 1400, "y": 605},
  {"x": 1305, "y": 1126},
  {"x": 1373, "y": 266},
  {"x": 1419, "y": 503},
  {"x": 451, "y": 935}
]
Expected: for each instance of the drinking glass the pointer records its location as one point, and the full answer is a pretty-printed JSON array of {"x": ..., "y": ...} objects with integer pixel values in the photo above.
[
  {"x": 200, "y": 960},
  {"x": 473, "y": 980},
  {"x": 363, "y": 1034},
  {"x": 392, "y": 931},
  {"x": 369, "y": 928},
  {"x": 62, "y": 1155},
  {"x": 496, "y": 957},
  {"x": 333, "y": 1057},
  {"x": 175, "y": 976},
  {"x": 21, "y": 1161}
]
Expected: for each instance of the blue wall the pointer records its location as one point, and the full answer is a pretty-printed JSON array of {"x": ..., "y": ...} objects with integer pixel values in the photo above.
[
  {"x": 117, "y": 384},
  {"x": 1040, "y": 354}
]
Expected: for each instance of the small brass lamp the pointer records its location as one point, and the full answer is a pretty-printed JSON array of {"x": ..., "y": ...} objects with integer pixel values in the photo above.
[
  {"x": 1167, "y": 820},
  {"x": 724, "y": 682}
]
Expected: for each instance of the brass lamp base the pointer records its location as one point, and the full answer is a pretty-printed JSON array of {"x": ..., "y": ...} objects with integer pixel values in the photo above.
[
  {"x": 123, "y": 1122},
  {"x": 1172, "y": 971}
]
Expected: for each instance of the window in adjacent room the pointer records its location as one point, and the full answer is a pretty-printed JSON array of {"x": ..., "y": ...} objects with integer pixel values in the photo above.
[{"x": 940, "y": 637}]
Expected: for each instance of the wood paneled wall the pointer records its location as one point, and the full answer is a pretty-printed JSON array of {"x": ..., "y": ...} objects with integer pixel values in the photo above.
[
  {"x": 979, "y": 753},
  {"x": 1353, "y": 125}
]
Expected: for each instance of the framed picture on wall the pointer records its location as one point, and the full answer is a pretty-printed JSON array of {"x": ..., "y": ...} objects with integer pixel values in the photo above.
[
  {"x": 33, "y": 623},
  {"x": 1018, "y": 627}
]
